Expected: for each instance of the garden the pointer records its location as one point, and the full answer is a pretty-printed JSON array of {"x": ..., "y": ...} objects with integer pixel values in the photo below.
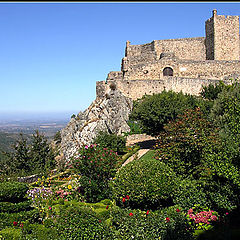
[{"x": 186, "y": 187}]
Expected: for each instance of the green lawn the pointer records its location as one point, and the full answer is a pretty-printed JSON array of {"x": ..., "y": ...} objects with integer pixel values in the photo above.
[{"x": 148, "y": 155}]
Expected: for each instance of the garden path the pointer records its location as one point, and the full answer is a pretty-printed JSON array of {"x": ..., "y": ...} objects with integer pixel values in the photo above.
[{"x": 145, "y": 142}]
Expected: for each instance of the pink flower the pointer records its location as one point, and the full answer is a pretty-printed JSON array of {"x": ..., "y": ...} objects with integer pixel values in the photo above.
[
  {"x": 167, "y": 219},
  {"x": 147, "y": 212},
  {"x": 50, "y": 208},
  {"x": 86, "y": 147},
  {"x": 178, "y": 210},
  {"x": 226, "y": 213}
]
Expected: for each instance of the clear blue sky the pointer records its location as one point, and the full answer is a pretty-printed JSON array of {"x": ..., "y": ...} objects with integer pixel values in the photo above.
[{"x": 52, "y": 54}]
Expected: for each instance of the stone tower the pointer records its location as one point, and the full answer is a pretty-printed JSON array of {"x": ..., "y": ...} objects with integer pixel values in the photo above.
[{"x": 222, "y": 37}]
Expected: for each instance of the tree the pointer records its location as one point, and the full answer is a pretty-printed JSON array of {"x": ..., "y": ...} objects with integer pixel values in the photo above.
[{"x": 152, "y": 112}]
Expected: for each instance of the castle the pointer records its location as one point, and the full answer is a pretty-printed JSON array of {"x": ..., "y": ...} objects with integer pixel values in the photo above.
[
  {"x": 179, "y": 64},
  {"x": 174, "y": 64}
]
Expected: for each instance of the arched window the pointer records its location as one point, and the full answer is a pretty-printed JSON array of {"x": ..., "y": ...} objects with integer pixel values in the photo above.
[{"x": 167, "y": 71}]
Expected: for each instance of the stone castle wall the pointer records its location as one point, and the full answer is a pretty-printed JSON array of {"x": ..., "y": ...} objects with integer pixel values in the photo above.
[
  {"x": 135, "y": 89},
  {"x": 212, "y": 69}
]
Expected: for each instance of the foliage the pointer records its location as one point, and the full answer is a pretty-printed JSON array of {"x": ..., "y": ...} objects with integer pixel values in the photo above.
[
  {"x": 78, "y": 223},
  {"x": 57, "y": 137},
  {"x": 41, "y": 154},
  {"x": 15, "y": 207},
  {"x": 188, "y": 193},
  {"x": 32, "y": 231},
  {"x": 10, "y": 234},
  {"x": 182, "y": 142},
  {"x": 29, "y": 158},
  {"x": 111, "y": 141},
  {"x": 202, "y": 218},
  {"x": 134, "y": 128},
  {"x": 148, "y": 183},
  {"x": 226, "y": 115},
  {"x": 152, "y": 112},
  {"x": 7, "y": 219},
  {"x": 12, "y": 191},
  {"x": 136, "y": 224},
  {"x": 211, "y": 91},
  {"x": 97, "y": 165}
]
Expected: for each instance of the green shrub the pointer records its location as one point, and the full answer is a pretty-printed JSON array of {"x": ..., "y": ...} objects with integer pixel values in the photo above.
[
  {"x": 152, "y": 112},
  {"x": 148, "y": 183},
  {"x": 10, "y": 234},
  {"x": 211, "y": 91},
  {"x": 136, "y": 224},
  {"x": 182, "y": 143},
  {"x": 111, "y": 141},
  {"x": 134, "y": 128},
  {"x": 78, "y": 223},
  {"x": 15, "y": 207},
  {"x": 7, "y": 219},
  {"x": 12, "y": 191},
  {"x": 188, "y": 193},
  {"x": 39, "y": 232}
]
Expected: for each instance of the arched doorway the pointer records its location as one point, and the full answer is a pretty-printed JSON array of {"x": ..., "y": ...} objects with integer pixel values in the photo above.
[{"x": 167, "y": 71}]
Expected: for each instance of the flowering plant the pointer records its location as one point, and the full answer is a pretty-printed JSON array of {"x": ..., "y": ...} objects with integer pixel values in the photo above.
[
  {"x": 201, "y": 218},
  {"x": 41, "y": 199},
  {"x": 96, "y": 162}
]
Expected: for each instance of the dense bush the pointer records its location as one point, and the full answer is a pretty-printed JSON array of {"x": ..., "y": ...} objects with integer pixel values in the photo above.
[
  {"x": 15, "y": 207},
  {"x": 10, "y": 234},
  {"x": 78, "y": 223},
  {"x": 34, "y": 231},
  {"x": 7, "y": 219},
  {"x": 136, "y": 224},
  {"x": 12, "y": 191},
  {"x": 111, "y": 141},
  {"x": 188, "y": 193},
  {"x": 148, "y": 183},
  {"x": 226, "y": 115},
  {"x": 211, "y": 91},
  {"x": 152, "y": 112},
  {"x": 97, "y": 165},
  {"x": 181, "y": 145}
]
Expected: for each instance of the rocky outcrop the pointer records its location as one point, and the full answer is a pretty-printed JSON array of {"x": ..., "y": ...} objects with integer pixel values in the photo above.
[{"x": 108, "y": 113}]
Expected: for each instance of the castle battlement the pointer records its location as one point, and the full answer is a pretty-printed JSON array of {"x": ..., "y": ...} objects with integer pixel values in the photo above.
[{"x": 213, "y": 57}]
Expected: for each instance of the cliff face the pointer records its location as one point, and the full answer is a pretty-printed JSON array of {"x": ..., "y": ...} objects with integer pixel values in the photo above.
[{"x": 109, "y": 113}]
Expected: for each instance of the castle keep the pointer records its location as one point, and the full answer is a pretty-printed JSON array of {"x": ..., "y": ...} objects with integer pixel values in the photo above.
[{"x": 179, "y": 64}]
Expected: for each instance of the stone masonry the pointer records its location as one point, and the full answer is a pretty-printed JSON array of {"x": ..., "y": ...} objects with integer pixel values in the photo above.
[{"x": 179, "y": 64}]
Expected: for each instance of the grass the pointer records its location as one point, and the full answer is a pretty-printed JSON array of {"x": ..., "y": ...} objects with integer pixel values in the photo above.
[{"x": 148, "y": 155}]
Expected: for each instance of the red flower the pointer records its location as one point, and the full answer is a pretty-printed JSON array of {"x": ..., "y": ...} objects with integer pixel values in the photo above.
[
  {"x": 130, "y": 214},
  {"x": 21, "y": 225},
  {"x": 15, "y": 223},
  {"x": 178, "y": 210},
  {"x": 127, "y": 197},
  {"x": 123, "y": 200},
  {"x": 99, "y": 220},
  {"x": 167, "y": 219},
  {"x": 107, "y": 207},
  {"x": 147, "y": 212}
]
